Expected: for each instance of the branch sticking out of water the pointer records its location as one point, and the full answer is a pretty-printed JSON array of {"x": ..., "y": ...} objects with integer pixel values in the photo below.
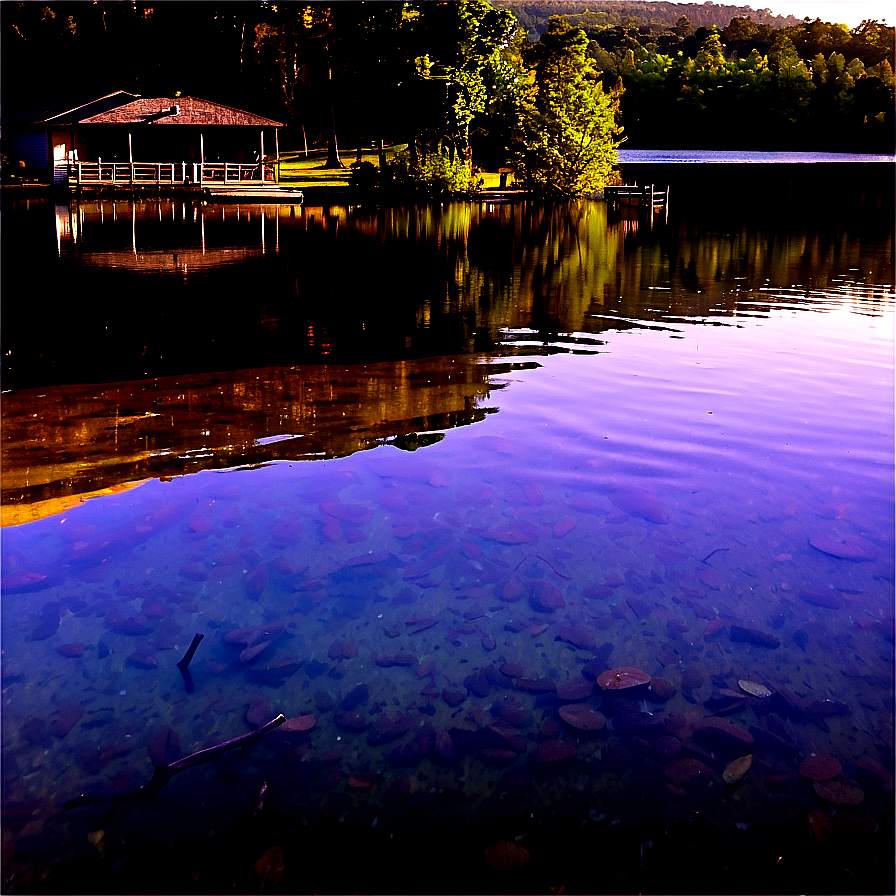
[
  {"x": 164, "y": 773},
  {"x": 185, "y": 662}
]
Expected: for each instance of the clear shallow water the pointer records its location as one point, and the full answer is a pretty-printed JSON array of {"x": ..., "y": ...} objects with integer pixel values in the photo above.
[{"x": 659, "y": 475}]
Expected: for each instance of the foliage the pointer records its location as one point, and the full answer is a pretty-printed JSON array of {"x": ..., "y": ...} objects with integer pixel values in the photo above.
[
  {"x": 432, "y": 175},
  {"x": 570, "y": 134},
  {"x": 718, "y": 98},
  {"x": 534, "y": 16}
]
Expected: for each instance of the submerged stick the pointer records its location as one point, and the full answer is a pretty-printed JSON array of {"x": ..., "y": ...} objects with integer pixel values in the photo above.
[
  {"x": 164, "y": 773},
  {"x": 190, "y": 651},
  {"x": 185, "y": 662},
  {"x": 716, "y": 551}
]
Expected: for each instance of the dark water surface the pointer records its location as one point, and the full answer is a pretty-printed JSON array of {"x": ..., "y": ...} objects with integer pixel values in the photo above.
[{"x": 420, "y": 476}]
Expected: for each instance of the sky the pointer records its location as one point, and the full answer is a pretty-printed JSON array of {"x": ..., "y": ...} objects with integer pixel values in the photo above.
[{"x": 850, "y": 12}]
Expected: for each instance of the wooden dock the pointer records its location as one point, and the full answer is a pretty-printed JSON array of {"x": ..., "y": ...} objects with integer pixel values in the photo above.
[
  {"x": 237, "y": 181},
  {"x": 638, "y": 197},
  {"x": 646, "y": 194}
]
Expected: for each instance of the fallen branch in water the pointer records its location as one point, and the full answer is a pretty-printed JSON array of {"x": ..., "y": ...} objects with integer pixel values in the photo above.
[
  {"x": 548, "y": 562},
  {"x": 185, "y": 662},
  {"x": 706, "y": 558},
  {"x": 162, "y": 774}
]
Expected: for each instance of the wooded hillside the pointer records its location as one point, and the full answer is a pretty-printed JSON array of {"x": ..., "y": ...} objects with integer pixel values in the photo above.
[{"x": 534, "y": 16}]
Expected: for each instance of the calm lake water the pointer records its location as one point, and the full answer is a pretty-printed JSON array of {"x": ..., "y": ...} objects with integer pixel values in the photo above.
[{"x": 420, "y": 477}]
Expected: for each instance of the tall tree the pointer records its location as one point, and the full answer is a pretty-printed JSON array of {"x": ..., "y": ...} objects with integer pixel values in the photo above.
[{"x": 572, "y": 133}]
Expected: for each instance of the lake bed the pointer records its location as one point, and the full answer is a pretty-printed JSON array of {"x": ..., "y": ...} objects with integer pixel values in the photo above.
[{"x": 464, "y": 461}]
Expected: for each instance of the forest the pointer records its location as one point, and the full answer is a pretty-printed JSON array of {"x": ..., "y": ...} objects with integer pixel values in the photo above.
[
  {"x": 533, "y": 16},
  {"x": 465, "y": 83}
]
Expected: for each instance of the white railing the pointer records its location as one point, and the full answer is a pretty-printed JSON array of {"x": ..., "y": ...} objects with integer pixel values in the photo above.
[{"x": 151, "y": 173}]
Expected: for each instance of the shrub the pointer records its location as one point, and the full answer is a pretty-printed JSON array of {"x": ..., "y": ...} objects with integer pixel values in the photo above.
[{"x": 434, "y": 176}]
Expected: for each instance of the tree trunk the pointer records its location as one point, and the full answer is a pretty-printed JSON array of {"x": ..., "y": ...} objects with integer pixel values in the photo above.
[{"x": 332, "y": 146}]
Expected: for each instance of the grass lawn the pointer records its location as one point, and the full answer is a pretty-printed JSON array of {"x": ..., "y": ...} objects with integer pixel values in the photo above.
[{"x": 297, "y": 170}]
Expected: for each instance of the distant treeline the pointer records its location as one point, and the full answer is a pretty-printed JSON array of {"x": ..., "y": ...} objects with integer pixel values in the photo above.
[
  {"x": 633, "y": 13},
  {"x": 714, "y": 76}
]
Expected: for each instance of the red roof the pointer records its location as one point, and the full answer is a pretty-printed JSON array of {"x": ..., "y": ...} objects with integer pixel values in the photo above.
[{"x": 129, "y": 108}]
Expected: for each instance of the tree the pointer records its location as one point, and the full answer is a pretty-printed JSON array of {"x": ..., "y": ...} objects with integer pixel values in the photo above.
[
  {"x": 454, "y": 43},
  {"x": 571, "y": 134},
  {"x": 794, "y": 81},
  {"x": 683, "y": 27}
]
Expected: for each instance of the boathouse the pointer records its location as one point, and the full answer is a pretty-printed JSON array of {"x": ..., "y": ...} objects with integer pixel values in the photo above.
[{"x": 123, "y": 137}]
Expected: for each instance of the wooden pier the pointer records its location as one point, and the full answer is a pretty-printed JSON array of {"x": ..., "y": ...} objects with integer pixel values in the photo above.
[
  {"x": 646, "y": 194},
  {"x": 230, "y": 180},
  {"x": 638, "y": 196}
]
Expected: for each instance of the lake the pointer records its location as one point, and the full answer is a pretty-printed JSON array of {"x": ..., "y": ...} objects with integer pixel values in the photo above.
[{"x": 562, "y": 536}]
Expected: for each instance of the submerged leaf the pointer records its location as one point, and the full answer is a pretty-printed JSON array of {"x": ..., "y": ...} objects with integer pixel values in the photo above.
[
  {"x": 840, "y": 790},
  {"x": 737, "y": 769},
  {"x": 753, "y": 688},
  {"x": 268, "y": 870}
]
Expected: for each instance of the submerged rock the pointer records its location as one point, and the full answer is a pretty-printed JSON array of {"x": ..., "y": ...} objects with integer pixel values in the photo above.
[
  {"x": 453, "y": 696},
  {"x": 358, "y": 695},
  {"x": 298, "y": 724},
  {"x": 142, "y": 660},
  {"x": 506, "y": 854},
  {"x": 578, "y": 637},
  {"x": 827, "y": 599},
  {"x": 165, "y": 746},
  {"x": 68, "y": 717},
  {"x": 512, "y": 711},
  {"x": 639, "y": 501},
  {"x": 418, "y": 747},
  {"x": 575, "y": 690},
  {"x": 386, "y": 729},
  {"x": 259, "y": 712},
  {"x": 622, "y": 677},
  {"x": 582, "y": 718},
  {"x": 396, "y": 659},
  {"x": 351, "y": 721},
  {"x": 722, "y": 734},
  {"x": 275, "y": 672},
  {"x": 553, "y": 751},
  {"x": 536, "y": 685},
  {"x": 683, "y": 772},
  {"x": 545, "y": 598},
  {"x": 820, "y": 767},
  {"x": 752, "y": 636},
  {"x": 845, "y": 547},
  {"x": 445, "y": 751}
]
